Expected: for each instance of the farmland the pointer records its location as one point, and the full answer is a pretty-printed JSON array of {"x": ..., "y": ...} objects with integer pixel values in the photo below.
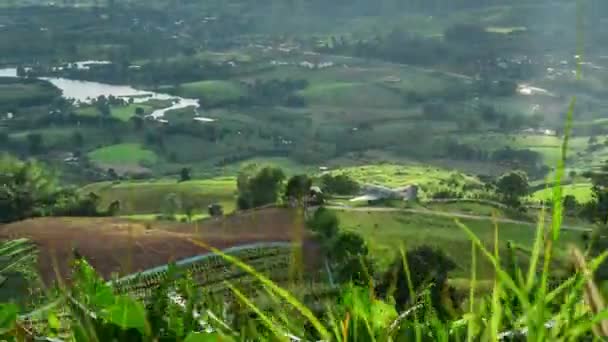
[
  {"x": 387, "y": 232},
  {"x": 123, "y": 154},
  {"x": 147, "y": 197},
  {"x": 123, "y": 246}
]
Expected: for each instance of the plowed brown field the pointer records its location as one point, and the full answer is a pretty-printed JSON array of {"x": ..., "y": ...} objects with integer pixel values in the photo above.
[{"x": 122, "y": 246}]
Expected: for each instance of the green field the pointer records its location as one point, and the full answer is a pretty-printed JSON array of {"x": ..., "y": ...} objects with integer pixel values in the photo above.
[
  {"x": 139, "y": 198},
  {"x": 123, "y": 154},
  {"x": 343, "y": 94},
  {"x": 582, "y": 192},
  {"x": 212, "y": 92},
  {"x": 123, "y": 113},
  {"x": 17, "y": 92},
  {"x": 386, "y": 232},
  {"x": 548, "y": 146},
  {"x": 394, "y": 175}
]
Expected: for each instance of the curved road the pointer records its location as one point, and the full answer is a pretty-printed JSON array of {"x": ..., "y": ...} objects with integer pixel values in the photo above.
[{"x": 453, "y": 215}]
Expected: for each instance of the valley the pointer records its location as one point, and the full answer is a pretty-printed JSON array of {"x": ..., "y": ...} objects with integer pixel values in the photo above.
[{"x": 445, "y": 157}]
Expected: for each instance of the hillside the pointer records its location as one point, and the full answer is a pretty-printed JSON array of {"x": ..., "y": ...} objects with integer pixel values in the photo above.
[{"x": 124, "y": 246}]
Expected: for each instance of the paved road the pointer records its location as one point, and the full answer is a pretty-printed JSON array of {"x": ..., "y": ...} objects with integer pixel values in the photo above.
[{"x": 453, "y": 215}]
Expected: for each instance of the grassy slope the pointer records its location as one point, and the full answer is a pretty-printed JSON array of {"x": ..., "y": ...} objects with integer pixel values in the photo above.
[
  {"x": 395, "y": 175},
  {"x": 147, "y": 197},
  {"x": 212, "y": 91},
  {"x": 123, "y": 113},
  {"x": 345, "y": 94},
  {"x": 387, "y": 231},
  {"x": 548, "y": 146},
  {"x": 123, "y": 154},
  {"x": 582, "y": 192}
]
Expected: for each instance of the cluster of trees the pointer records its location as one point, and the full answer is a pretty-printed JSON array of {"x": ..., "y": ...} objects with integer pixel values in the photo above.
[
  {"x": 258, "y": 186},
  {"x": 596, "y": 210},
  {"x": 525, "y": 159},
  {"x": 29, "y": 189},
  {"x": 339, "y": 184}
]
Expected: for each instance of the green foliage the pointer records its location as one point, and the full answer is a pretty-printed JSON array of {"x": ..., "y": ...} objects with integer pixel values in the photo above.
[
  {"x": 340, "y": 184},
  {"x": 512, "y": 186},
  {"x": 426, "y": 267},
  {"x": 185, "y": 175},
  {"x": 30, "y": 189},
  {"x": 298, "y": 187},
  {"x": 258, "y": 186},
  {"x": 325, "y": 223}
]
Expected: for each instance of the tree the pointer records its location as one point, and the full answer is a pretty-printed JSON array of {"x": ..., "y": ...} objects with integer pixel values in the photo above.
[
  {"x": 138, "y": 122},
  {"x": 427, "y": 266},
  {"x": 185, "y": 175},
  {"x": 171, "y": 206},
  {"x": 28, "y": 189},
  {"x": 35, "y": 143},
  {"x": 597, "y": 209},
  {"x": 339, "y": 184},
  {"x": 325, "y": 223},
  {"x": 112, "y": 175},
  {"x": 570, "y": 203},
  {"x": 258, "y": 187},
  {"x": 512, "y": 186},
  {"x": 298, "y": 187},
  {"x": 77, "y": 139}
]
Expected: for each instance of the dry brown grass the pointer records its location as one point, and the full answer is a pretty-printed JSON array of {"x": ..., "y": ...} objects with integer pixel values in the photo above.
[{"x": 120, "y": 246}]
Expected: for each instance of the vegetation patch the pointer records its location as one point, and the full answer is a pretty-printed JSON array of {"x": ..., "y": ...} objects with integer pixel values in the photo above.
[
  {"x": 386, "y": 232},
  {"x": 581, "y": 191},
  {"x": 123, "y": 154},
  {"x": 155, "y": 197},
  {"x": 212, "y": 92},
  {"x": 345, "y": 94},
  {"x": 25, "y": 92},
  {"x": 395, "y": 175}
]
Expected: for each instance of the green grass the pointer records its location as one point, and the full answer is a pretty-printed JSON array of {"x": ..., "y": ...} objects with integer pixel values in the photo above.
[
  {"x": 16, "y": 92},
  {"x": 147, "y": 197},
  {"x": 582, "y": 192},
  {"x": 385, "y": 232},
  {"x": 123, "y": 154},
  {"x": 212, "y": 92},
  {"x": 344, "y": 94},
  {"x": 123, "y": 113},
  {"x": 395, "y": 175},
  {"x": 548, "y": 146}
]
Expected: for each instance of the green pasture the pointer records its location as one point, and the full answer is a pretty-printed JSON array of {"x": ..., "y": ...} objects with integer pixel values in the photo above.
[
  {"x": 128, "y": 153},
  {"x": 212, "y": 92},
  {"x": 395, "y": 175},
  {"x": 386, "y": 232},
  {"x": 148, "y": 197},
  {"x": 548, "y": 146},
  {"x": 123, "y": 113},
  {"x": 347, "y": 95},
  {"x": 582, "y": 192},
  {"x": 14, "y": 92}
]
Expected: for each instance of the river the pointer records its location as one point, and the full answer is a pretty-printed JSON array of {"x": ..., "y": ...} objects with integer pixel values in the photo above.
[{"x": 84, "y": 91}]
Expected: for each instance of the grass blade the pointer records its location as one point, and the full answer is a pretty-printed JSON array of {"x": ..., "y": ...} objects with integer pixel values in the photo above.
[
  {"x": 265, "y": 319},
  {"x": 285, "y": 295}
]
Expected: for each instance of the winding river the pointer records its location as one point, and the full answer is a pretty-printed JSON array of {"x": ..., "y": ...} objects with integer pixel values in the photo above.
[{"x": 84, "y": 91}]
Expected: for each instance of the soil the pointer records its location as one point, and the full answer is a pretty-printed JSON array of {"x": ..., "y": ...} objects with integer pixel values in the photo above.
[{"x": 117, "y": 246}]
